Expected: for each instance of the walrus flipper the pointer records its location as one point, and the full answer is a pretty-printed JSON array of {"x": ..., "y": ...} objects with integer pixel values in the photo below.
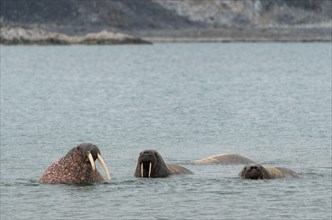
[{"x": 177, "y": 169}]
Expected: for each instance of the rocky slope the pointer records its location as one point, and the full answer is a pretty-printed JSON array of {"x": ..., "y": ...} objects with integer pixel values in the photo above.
[
  {"x": 176, "y": 20},
  {"x": 252, "y": 13}
]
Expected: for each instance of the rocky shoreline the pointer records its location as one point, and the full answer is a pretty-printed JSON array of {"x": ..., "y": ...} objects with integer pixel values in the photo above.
[
  {"x": 27, "y": 35},
  {"x": 23, "y": 35}
]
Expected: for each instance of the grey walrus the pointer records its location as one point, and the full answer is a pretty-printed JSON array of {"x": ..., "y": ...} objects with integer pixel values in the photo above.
[
  {"x": 225, "y": 159},
  {"x": 76, "y": 167},
  {"x": 257, "y": 171},
  {"x": 150, "y": 164}
]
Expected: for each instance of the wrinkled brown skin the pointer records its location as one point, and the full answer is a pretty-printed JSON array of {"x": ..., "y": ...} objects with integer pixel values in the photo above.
[
  {"x": 159, "y": 168},
  {"x": 257, "y": 171},
  {"x": 225, "y": 159},
  {"x": 74, "y": 167}
]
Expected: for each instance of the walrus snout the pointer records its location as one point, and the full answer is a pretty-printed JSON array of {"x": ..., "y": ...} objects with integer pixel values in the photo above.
[
  {"x": 147, "y": 160},
  {"x": 146, "y": 169},
  {"x": 87, "y": 148},
  {"x": 92, "y": 152},
  {"x": 252, "y": 171}
]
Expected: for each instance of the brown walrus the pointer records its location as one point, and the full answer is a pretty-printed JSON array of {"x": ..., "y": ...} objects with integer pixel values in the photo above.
[
  {"x": 257, "y": 171},
  {"x": 76, "y": 167},
  {"x": 225, "y": 159},
  {"x": 150, "y": 164}
]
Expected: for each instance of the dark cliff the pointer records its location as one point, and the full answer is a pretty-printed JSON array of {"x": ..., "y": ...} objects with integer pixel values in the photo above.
[
  {"x": 80, "y": 16},
  {"x": 172, "y": 18}
]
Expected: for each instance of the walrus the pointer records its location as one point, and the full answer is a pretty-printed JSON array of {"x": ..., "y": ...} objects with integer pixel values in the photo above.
[
  {"x": 76, "y": 167},
  {"x": 150, "y": 164},
  {"x": 257, "y": 171},
  {"x": 225, "y": 159}
]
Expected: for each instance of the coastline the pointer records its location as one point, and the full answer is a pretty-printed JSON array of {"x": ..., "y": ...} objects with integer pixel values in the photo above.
[
  {"x": 35, "y": 36},
  {"x": 224, "y": 35},
  {"x": 230, "y": 40}
]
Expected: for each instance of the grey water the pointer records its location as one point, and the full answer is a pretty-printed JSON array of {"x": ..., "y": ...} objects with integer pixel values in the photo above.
[{"x": 270, "y": 102}]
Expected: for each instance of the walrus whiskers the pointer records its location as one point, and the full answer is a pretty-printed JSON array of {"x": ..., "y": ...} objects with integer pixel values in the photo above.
[
  {"x": 103, "y": 164},
  {"x": 150, "y": 167},
  {"x": 142, "y": 170},
  {"x": 92, "y": 162}
]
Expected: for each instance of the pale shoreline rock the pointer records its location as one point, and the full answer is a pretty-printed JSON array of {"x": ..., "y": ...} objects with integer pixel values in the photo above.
[
  {"x": 16, "y": 35},
  {"x": 23, "y": 35}
]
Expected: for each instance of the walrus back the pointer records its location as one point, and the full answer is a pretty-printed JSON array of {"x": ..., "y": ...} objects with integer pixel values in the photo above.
[
  {"x": 51, "y": 174},
  {"x": 225, "y": 159},
  {"x": 281, "y": 172},
  {"x": 274, "y": 172},
  {"x": 288, "y": 173},
  {"x": 177, "y": 169}
]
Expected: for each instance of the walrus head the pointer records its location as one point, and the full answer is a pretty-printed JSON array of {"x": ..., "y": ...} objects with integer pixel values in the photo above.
[
  {"x": 76, "y": 167},
  {"x": 90, "y": 153},
  {"x": 150, "y": 164},
  {"x": 254, "y": 171}
]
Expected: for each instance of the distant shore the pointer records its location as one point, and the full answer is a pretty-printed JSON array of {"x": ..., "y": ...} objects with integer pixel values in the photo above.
[
  {"x": 232, "y": 39},
  {"x": 270, "y": 34},
  {"x": 21, "y": 35},
  {"x": 24, "y": 35}
]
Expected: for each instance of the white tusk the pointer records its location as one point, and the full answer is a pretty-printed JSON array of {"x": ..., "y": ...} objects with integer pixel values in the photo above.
[
  {"x": 142, "y": 170},
  {"x": 101, "y": 160},
  {"x": 92, "y": 162},
  {"x": 150, "y": 166}
]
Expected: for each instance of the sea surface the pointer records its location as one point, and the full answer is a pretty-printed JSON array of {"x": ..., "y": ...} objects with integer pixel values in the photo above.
[{"x": 270, "y": 102}]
